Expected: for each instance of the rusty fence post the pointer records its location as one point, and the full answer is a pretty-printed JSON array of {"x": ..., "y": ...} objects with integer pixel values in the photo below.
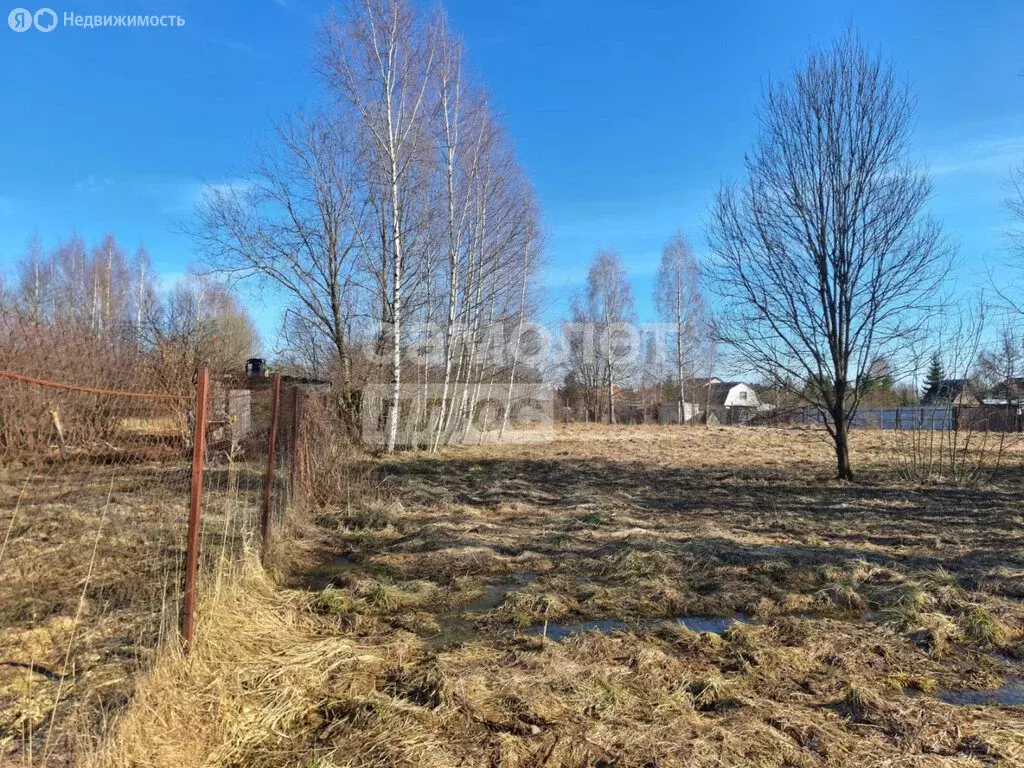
[
  {"x": 268, "y": 490},
  {"x": 293, "y": 457},
  {"x": 188, "y": 619}
]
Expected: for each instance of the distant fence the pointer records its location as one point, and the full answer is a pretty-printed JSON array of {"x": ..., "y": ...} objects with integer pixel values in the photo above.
[{"x": 993, "y": 418}]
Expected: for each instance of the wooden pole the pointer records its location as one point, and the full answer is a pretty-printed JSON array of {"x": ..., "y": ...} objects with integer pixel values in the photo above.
[
  {"x": 188, "y": 619},
  {"x": 268, "y": 490},
  {"x": 55, "y": 418}
]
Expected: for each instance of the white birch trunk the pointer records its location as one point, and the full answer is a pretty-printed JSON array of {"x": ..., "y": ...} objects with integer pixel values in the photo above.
[{"x": 519, "y": 340}]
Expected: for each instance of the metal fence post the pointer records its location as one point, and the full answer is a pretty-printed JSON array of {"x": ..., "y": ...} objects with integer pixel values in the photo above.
[
  {"x": 188, "y": 619},
  {"x": 271, "y": 448}
]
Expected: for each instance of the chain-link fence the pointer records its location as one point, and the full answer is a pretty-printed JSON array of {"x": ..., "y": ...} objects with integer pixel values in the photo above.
[{"x": 99, "y": 472}]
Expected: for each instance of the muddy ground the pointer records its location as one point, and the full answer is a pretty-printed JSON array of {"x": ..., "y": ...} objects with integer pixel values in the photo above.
[
  {"x": 627, "y": 596},
  {"x": 657, "y": 596}
]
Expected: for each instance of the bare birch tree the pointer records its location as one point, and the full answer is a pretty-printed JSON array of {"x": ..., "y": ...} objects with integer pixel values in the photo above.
[
  {"x": 32, "y": 279},
  {"x": 397, "y": 208},
  {"x": 95, "y": 291},
  {"x": 1010, "y": 291},
  {"x": 528, "y": 271},
  {"x": 295, "y": 226},
  {"x": 378, "y": 58},
  {"x": 606, "y": 315},
  {"x": 1016, "y": 206},
  {"x": 464, "y": 128},
  {"x": 103, "y": 317},
  {"x": 678, "y": 300},
  {"x": 826, "y": 260}
]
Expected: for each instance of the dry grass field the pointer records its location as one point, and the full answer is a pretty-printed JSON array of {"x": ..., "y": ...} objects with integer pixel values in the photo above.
[
  {"x": 627, "y": 596},
  {"x": 91, "y": 562}
]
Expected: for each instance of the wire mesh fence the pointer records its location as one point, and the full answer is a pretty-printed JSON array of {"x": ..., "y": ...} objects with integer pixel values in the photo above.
[{"x": 96, "y": 476}]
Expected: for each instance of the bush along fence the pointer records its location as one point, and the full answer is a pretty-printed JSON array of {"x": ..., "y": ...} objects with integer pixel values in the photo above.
[{"x": 117, "y": 507}]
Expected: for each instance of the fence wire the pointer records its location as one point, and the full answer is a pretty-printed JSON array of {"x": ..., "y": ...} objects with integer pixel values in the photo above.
[{"x": 95, "y": 475}]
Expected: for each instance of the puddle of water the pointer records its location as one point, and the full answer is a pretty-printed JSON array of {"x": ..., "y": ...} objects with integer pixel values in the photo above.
[
  {"x": 715, "y": 624},
  {"x": 493, "y": 596},
  {"x": 455, "y": 629},
  {"x": 452, "y": 631},
  {"x": 1010, "y": 694},
  {"x": 559, "y": 632},
  {"x": 1010, "y": 661}
]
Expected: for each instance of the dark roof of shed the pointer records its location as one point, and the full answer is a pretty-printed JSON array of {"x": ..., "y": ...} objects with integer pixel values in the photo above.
[
  {"x": 720, "y": 391},
  {"x": 944, "y": 391}
]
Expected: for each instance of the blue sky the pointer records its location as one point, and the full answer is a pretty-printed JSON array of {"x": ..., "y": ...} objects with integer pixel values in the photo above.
[{"x": 626, "y": 116}]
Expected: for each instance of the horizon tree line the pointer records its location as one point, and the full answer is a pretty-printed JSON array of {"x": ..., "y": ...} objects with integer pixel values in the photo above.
[
  {"x": 101, "y": 317},
  {"x": 396, "y": 222}
]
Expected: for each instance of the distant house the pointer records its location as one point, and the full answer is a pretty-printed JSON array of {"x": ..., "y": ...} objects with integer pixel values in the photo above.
[
  {"x": 731, "y": 394},
  {"x": 1009, "y": 392},
  {"x": 731, "y": 402},
  {"x": 946, "y": 392},
  {"x": 1013, "y": 387},
  {"x": 695, "y": 395}
]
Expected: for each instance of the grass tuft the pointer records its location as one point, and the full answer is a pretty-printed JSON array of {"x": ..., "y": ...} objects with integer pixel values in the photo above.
[
  {"x": 712, "y": 693},
  {"x": 385, "y": 597},
  {"x": 861, "y": 705},
  {"x": 331, "y": 600},
  {"x": 252, "y": 684},
  {"x": 843, "y": 598},
  {"x": 981, "y": 628}
]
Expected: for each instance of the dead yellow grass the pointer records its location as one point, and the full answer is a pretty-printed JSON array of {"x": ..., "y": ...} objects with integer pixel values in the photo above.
[
  {"x": 90, "y": 589},
  {"x": 412, "y": 633},
  {"x": 256, "y": 674}
]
